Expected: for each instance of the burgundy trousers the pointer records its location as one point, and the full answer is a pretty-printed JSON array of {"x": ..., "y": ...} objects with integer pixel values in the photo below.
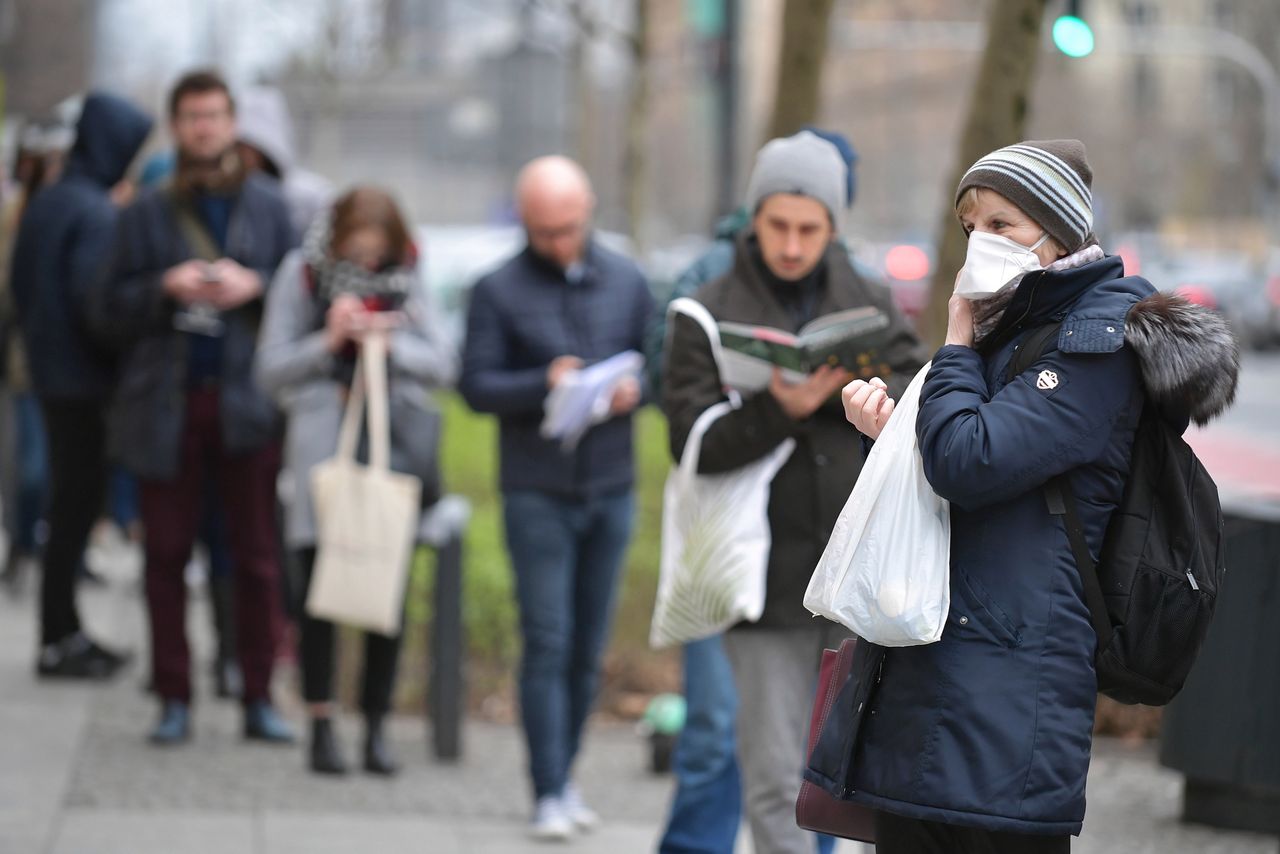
[{"x": 171, "y": 516}]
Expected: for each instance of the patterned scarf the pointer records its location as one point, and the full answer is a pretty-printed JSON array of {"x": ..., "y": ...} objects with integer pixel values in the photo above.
[{"x": 331, "y": 277}]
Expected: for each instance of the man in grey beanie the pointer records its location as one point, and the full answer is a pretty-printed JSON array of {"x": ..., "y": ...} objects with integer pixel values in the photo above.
[{"x": 788, "y": 270}]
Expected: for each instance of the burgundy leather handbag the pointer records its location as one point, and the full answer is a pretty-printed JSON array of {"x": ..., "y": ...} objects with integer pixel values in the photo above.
[{"x": 815, "y": 809}]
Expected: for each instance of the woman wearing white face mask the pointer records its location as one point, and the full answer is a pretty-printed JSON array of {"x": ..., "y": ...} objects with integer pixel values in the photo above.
[{"x": 980, "y": 742}]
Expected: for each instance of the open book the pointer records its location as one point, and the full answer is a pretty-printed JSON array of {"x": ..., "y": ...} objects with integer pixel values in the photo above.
[{"x": 850, "y": 339}]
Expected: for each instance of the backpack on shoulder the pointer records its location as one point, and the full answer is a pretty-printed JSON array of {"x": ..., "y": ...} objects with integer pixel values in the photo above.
[{"x": 1152, "y": 591}]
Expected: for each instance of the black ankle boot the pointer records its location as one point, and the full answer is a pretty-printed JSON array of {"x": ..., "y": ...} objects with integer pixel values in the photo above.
[
  {"x": 325, "y": 756},
  {"x": 377, "y": 760}
]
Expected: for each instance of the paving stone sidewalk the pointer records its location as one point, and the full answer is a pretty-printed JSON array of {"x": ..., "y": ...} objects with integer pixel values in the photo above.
[{"x": 76, "y": 776}]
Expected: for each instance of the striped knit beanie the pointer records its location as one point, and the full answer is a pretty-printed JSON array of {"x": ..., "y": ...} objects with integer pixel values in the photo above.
[{"x": 1048, "y": 179}]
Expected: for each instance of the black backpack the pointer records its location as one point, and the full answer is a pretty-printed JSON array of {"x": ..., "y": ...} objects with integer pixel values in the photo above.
[{"x": 1152, "y": 591}]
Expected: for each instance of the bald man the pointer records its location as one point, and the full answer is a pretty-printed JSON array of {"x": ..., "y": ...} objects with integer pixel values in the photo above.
[{"x": 563, "y": 302}]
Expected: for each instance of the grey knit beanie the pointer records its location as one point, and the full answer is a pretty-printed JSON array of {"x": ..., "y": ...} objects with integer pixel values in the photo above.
[
  {"x": 803, "y": 165},
  {"x": 1049, "y": 179}
]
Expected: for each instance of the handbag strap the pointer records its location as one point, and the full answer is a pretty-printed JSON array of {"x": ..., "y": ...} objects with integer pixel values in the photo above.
[
  {"x": 698, "y": 313},
  {"x": 693, "y": 445},
  {"x": 370, "y": 380},
  {"x": 194, "y": 231}
]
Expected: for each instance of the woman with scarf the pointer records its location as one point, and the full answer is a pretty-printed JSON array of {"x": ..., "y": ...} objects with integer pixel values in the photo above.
[
  {"x": 980, "y": 742},
  {"x": 355, "y": 273}
]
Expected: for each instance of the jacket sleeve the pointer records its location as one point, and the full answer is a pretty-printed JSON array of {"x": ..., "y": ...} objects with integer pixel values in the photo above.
[
  {"x": 422, "y": 350},
  {"x": 642, "y": 316},
  {"x": 291, "y": 351},
  {"x": 980, "y": 449},
  {"x": 283, "y": 241},
  {"x": 488, "y": 384},
  {"x": 691, "y": 385},
  {"x": 127, "y": 300},
  {"x": 90, "y": 257}
]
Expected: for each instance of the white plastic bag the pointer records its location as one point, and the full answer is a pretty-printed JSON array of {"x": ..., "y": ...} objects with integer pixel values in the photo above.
[
  {"x": 715, "y": 530},
  {"x": 886, "y": 572}
]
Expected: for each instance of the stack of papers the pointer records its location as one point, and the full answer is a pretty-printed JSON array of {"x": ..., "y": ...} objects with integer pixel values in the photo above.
[{"x": 582, "y": 398}]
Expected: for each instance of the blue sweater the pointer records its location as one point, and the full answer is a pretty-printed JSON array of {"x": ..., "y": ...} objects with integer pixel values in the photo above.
[{"x": 522, "y": 317}]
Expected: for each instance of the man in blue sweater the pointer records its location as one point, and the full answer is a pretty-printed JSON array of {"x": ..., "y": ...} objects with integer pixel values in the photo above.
[{"x": 562, "y": 302}]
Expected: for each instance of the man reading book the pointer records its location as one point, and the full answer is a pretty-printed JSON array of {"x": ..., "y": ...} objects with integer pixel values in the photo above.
[{"x": 788, "y": 271}]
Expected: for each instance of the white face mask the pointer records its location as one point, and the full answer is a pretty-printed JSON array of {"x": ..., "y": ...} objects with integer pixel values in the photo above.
[{"x": 994, "y": 263}]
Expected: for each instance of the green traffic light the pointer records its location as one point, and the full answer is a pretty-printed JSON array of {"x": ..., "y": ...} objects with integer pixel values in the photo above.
[{"x": 1073, "y": 36}]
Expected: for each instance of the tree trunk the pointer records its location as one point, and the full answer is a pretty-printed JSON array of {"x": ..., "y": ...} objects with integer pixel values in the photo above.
[
  {"x": 636, "y": 165},
  {"x": 805, "y": 24},
  {"x": 998, "y": 111}
]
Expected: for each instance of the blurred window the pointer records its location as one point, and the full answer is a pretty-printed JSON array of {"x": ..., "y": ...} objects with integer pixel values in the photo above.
[
  {"x": 1223, "y": 93},
  {"x": 1146, "y": 90},
  {"x": 1141, "y": 13}
]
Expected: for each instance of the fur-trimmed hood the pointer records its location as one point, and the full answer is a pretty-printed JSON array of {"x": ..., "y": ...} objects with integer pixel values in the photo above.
[{"x": 1190, "y": 359}]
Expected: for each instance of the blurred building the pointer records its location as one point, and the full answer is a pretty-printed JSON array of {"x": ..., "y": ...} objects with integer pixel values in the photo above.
[
  {"x": 1176, "y": 137},
  {"x": 45, "y": 50}
]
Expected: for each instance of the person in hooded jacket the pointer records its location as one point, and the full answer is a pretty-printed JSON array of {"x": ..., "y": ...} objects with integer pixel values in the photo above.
[
  {"x": 980, "y": 742},
  {"x": 266, "y": 143},
  {"x": 63, "y": 245}
]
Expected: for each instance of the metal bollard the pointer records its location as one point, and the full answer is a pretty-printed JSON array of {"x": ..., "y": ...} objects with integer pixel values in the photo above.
[{"x": 444, "y": 530}]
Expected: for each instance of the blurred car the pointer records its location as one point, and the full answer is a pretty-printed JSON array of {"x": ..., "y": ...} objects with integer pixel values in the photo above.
[
  {"x": 1259, "y": 323},
  {"x": 1230, "y": 283},
  {"x": 906, "y": 267}
]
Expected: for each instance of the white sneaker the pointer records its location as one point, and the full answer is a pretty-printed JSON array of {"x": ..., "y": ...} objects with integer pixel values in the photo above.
[
  {"x": 551, "y": 822},
  {"x": 583, "y": 817}
]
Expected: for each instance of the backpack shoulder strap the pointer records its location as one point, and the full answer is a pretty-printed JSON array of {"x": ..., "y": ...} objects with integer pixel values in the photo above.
[
  {"x": 1061, "y": 498},
  {"x": 1032, "y": 348},
  {"x": 1062, "y": 502}
]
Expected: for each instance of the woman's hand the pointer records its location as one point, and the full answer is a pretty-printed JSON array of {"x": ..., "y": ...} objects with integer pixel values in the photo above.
[
  {"x": 960, "y": 322},
  {"x": 867, "y": 405},
  {"x": 343, "y": 321}
]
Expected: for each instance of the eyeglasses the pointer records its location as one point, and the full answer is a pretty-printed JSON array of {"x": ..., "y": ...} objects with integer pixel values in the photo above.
[{"x": 191, "y": 117}]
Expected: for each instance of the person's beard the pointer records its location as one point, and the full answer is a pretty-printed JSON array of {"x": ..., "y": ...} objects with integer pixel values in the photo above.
[{"x": 220, "y": 175}]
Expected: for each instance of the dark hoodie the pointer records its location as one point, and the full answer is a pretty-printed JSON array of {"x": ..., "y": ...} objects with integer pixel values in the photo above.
[{"x": 64, "y": 242}]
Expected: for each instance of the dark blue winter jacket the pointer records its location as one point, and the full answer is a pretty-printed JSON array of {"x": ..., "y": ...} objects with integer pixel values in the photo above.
[
  {"x": 523, "y": 316},
  {"x": 991, "y": 726},
  {"x": 64, "y": 242}
]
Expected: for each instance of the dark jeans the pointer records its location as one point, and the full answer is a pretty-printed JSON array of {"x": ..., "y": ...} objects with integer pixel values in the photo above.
[
  {"x": 78, "y": 483},
  {"x": 898, "y": 835},
  {"x": 381, "y": 655},
  {"x": 707, "y": 807},
  {"x": 567, "y": 556},
  {"x": 171, "y": 512},
  {"x": 31, "y": 459}
]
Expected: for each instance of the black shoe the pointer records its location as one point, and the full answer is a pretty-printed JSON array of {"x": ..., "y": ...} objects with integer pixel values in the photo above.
[
  {"x": 174, "y": 726},
  {"x": 377, "y": 760},
  {"x": 77, "y": 657},
  {"x": 228, "y": 680},
  {"x": 263, "y": 723},
  {"x": 326, "y": 758}
]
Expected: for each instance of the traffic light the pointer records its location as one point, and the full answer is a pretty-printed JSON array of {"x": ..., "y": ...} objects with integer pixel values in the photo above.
[{"x": 1071, "y": 33}]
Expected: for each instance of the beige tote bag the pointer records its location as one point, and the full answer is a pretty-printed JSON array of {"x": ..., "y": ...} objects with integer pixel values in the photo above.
[{"x": 366, "y": 515}]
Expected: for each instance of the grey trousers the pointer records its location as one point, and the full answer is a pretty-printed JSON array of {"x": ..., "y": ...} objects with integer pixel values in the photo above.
[{"x": 776, "y": 671}]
